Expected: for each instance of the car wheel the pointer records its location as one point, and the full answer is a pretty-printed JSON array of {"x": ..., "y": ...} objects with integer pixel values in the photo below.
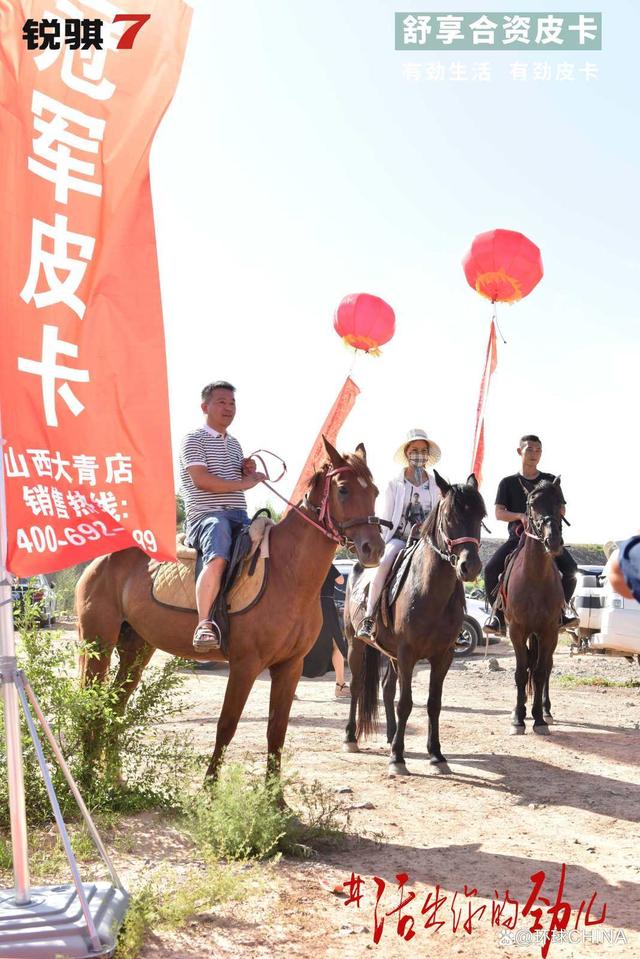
[{"x": 470, "y": 636}]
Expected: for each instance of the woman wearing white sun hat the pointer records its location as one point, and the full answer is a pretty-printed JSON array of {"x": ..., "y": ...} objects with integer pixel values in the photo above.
[{"x": 409, "y": 498}]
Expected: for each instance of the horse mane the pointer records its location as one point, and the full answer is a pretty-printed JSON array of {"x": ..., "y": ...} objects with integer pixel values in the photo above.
[
  {"x": 545, "y": 486},
  {"x": 428, "y": 529}
]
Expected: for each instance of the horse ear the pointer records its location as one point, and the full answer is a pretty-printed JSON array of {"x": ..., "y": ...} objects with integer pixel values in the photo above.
[
  {"x": 472, "y": 481},
  {"x": 361, "y": 451},
  {"x": 556, "y": 481},
  {"x": 443, "y": 486},
  {"x": 332, "y": 453}
]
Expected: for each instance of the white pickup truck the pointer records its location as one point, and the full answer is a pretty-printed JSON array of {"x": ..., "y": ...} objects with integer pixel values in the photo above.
[{"x": 609, "y": 623}]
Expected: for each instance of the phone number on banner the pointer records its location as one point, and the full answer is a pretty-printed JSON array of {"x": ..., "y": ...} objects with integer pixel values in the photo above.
[{"x": 44, "y": 539}]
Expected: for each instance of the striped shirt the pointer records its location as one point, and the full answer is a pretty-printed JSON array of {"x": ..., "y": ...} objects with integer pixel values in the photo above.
[{"x": 222, "y": 456}]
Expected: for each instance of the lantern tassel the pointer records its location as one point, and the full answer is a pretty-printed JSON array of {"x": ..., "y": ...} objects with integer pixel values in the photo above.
[{"x": 494, "y": 319}]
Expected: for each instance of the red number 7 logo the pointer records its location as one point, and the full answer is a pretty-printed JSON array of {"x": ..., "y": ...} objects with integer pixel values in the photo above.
[{"x": 137, "y": 22}]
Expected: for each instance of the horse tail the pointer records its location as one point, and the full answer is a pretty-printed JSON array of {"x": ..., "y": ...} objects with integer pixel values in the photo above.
[
  {"x": 532, "y": 661},
  {"x": 367, "y": 715}
]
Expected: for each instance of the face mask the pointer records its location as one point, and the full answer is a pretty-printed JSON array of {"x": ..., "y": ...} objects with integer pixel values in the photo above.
[{"x": 417, "y": 459}]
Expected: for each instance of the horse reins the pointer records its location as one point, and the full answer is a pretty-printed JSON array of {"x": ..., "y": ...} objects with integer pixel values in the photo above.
[
  {"x": 326, "y": 524},
  {"x": 447, "y": 555}
]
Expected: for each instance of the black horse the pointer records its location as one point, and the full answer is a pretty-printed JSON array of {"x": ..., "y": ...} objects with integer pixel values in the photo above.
[{"x": 425, "y": 622}]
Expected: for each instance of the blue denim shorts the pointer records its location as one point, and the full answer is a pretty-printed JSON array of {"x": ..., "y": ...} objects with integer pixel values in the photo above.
[{"x": 211, "y": 535}]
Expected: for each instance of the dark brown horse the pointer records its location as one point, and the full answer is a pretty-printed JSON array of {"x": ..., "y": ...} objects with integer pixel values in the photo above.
[
  {"x": 116, "y": 610},
  {"x": 534, "y": 604},
  {"x": 425, "y": 622}
]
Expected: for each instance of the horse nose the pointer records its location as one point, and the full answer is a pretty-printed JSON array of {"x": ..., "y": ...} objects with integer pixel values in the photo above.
[
  {"x": 469, "y": 566},
  {"x": 371, "y": 552}
]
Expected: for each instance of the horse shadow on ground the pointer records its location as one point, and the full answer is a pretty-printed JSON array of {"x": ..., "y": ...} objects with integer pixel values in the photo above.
[
  {"x": 473, "y": 711},
  {"x": 536, "y": 781},
  {"x": 615, "y": 745},
  {"x": 453, "y": 867},
  {"x": 335, "y": 722}
]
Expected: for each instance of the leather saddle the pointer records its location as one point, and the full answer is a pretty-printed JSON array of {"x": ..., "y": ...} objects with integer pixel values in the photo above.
[{"x": 173, "y": 585}]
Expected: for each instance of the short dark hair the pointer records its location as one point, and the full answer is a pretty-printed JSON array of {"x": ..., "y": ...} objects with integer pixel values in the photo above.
[
  {"x": 530, "y": 437},
  {"x": 217, "y": 385}
]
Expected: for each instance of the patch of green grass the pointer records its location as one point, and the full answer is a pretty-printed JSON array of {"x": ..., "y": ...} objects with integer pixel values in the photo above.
[
  {"x": 139, "y": 919},
  {"x": 47, "y": 860},
  {"x": 6, "y": 862},
  {"x": 164, "y": 904},
  {"x": 241, "y": 817},
  {"x": 570, "y": 679},
  {"x": 120, "y": 762},
  {"x": 83, "y": 846}
]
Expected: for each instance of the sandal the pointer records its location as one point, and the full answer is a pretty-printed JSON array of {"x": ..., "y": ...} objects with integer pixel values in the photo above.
[
  {"x": 342, "y": 690},
  {"x": 207, "y": 637}
]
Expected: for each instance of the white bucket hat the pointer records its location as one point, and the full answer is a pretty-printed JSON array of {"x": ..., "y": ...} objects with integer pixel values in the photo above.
[{"x": 433, "y": 452}]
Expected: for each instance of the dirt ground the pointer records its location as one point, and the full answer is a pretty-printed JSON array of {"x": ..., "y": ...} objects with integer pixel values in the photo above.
[{"x": 504, "y": 808}]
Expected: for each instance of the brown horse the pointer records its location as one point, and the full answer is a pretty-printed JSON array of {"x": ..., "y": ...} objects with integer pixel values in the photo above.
[
  {"x": 534, "y": 604},
  {"x": 116, "y": 609},
  {"x": 425, "y": 622}
]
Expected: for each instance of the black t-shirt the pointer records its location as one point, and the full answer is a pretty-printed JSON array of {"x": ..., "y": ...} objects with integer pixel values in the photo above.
[{"x": 511, "y": 494}]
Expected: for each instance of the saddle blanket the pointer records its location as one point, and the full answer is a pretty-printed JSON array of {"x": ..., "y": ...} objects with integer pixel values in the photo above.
[{"x": 174, "y": 584}]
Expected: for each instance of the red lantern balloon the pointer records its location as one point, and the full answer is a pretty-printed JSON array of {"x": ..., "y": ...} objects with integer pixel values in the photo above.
[
  {"x": 502, "y": 265},
  {"x": 364, "y": 322}
]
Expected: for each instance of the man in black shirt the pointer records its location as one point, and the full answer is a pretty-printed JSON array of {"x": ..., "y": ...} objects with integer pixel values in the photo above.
[{"x": 511, "y": 505}]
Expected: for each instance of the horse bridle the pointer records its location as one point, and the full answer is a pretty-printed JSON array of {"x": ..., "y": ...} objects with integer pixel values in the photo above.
[
  {"x": 446, "y": 554},
  {"x": 326, "y": 523},
  {"x": 538, "y": 527}
]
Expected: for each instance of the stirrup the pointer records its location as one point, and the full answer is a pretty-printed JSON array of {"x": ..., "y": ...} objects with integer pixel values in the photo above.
[
  {"x": 569, "y": 619},
  {"x": 366, "y": 629},
  {"x": 489, "y": 629},
  {"x": 207, "y": 637}
]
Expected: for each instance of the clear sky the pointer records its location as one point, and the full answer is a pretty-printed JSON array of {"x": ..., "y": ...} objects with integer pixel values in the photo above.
[{"x": 299, "y": 162}]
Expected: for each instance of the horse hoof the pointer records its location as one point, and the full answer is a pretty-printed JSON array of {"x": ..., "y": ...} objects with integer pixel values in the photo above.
[
  {"x": 541, "y": 729},
  {"x": 397, "y": 769},
  {"x": 548, "y": 718},
  {"x": 350, "y": 748},
  {"x": 437, "y": 759},
  {"x": 517, "y": 730}
]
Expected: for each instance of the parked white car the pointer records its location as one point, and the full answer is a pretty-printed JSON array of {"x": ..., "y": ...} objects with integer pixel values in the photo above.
[
  {"x": 41, "y": 594},
  {"x": 609, "y": 623},
  {"x": 471, "y": 636}
]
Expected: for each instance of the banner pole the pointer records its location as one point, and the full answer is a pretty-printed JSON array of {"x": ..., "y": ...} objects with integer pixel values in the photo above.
[{"x": 15, "y": 769}]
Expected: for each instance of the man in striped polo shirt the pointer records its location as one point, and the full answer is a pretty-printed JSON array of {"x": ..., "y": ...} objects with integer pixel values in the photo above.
[{"x": 214, "y": 474}]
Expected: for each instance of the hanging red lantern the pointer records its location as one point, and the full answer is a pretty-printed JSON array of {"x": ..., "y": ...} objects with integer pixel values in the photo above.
[
  {"x": 364, "y": 322},
  {"x": 503, "y": 266}
]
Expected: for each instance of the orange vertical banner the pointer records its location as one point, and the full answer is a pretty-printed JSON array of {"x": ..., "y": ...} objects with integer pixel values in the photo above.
[
  {"x": 83, "y": 384},
  {"x": 330, "y": 428},
  {"x": 491, "y": 361}
]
